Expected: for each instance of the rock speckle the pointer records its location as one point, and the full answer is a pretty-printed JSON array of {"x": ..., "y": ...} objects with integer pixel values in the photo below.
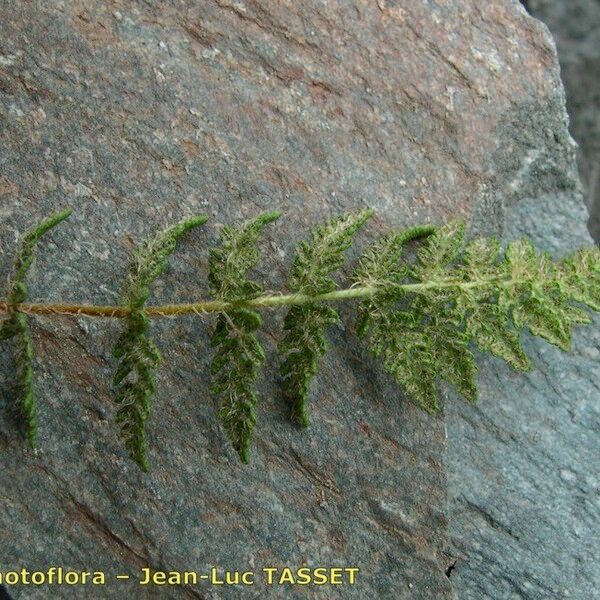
[{"x": 137, "y": 114}]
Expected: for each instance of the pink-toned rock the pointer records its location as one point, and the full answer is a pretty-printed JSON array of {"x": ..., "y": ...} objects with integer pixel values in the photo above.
[{"x": 136, "y": 114}]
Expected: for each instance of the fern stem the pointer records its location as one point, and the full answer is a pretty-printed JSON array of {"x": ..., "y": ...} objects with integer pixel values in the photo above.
[
  {"x": 215, "y": 306},
  {"x": 211, "y": 306}
]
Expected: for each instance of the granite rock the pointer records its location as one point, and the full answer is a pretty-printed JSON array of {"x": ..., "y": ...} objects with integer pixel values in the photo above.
[
  {"x": 524, "y": 492},
  {"x": 576, "y": 28},
  {"x": 137, "y": 114}
]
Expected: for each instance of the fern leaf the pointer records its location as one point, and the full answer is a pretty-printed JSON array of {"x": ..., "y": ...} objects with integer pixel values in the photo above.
[
  {"x": 150, "y": 260},
  {"x": 421, "y": 338},
  {"x": 26, "y": 254},
  {"x": 419, "y": 345},
  {"x": 304, "y": 343},
  {"x": 393, "y": 335},
  {"x": 9, "y": 328},
  {"x": 538, "y": 299},
  {"x": 316, "y": 259},
  {"x": 481, "y": 257},
  {"x": 381, "y": 268},
  {"x": 24, "y": 357},
  {"x": 579, "y": 276},
  {"x": 238, "y": 353},
  {"x": 491, "y": 329},
  {"x": 488, "y": 322},
  {"x": 16, "y": 324},
  {"x": 137, "y": 353},
  {"x": 440, "y": 251},
  {"x": 471, "y": 295}
]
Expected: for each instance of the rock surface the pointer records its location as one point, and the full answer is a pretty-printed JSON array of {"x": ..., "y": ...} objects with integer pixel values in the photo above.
[
  {"x": 138, "y": 114},
  {"x": 576, "y": 27},
  {"x": 524, "y": 491}
]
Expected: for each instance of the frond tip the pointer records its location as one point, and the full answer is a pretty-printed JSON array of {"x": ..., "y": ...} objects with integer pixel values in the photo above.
[{"x": 424, "y": 316}]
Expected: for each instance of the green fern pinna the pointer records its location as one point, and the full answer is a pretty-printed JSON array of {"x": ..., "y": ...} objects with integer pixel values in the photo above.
[{"x": 421, "y": 314}]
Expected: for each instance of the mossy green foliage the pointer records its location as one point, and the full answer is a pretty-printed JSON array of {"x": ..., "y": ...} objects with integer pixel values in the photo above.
[
  {"x": 304, "y": 343},
  {"x": 238, "y": 352},
  {"x": 426, "y": 315},
  {"x": 137, "y": 353},
  {"x": 421, "y": 313},
  {"x": 16, "y": 324}
]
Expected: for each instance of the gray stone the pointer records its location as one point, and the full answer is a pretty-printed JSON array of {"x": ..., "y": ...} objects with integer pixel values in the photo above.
[
  {"x": 139, "y": 114},
  {"x": 524, "y": 492},
  {"x": 576, "y": 27}
]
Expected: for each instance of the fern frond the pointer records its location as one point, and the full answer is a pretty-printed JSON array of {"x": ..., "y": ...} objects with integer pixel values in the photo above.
[
  {"x": 24, "y": 358},
  {"x": 428, "y": 313},
  {"x": 579, "y": 276},
  {"x": 419, "y": 345},
  {"x": 440, "y": 251},
  {"x": 488, "y": 320},
  {"x": 238, "y": 353},
  {"x": 421, "y": 315},
  {"x": 137, "y": 353},
  {"x": 323, "y": 254},
  {"x": 304, "y": 343},
  {"x": 16, "y": 324},
  {"x": 150, "y": 260},
  {"x": 417, "y": 350},
  {"x": 538, "y": 298},
  {"x": 381, "y": 269},
  {"x": 9, "y": 328}
]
